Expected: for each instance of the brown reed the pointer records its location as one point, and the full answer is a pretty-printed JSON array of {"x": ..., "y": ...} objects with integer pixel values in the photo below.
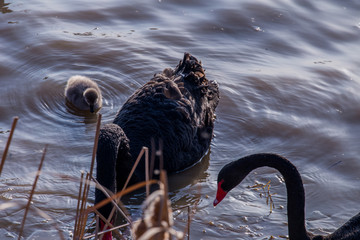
[
  {"x": 115, "y": 198},
  {"x": 164, "y": 186},
  {"x": 97, "y": 133},
  {"x": 32, "y": 192},
  {"x": 157, "y": 221},
  {"x": 120, "y": 194},
  {"x": 97, "y": 221},
  {"x": 188, "y": 223},
  {"x": 82, "y": 216},
  {"x": 8, "y": 143},
  {"x": 80, "y": 221},
  {"x": 116, "y": 204},
  {"x": 147, "y": 171},
  {"x": 190, "y": 214},
  {"x": 78, "y": 205},
  {"x": 142, "y": 152}
]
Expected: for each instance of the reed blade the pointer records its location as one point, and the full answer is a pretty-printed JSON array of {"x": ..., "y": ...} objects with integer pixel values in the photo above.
[
  {"x": 8, "y": 143},
  {"x": 32, "y": 192}
]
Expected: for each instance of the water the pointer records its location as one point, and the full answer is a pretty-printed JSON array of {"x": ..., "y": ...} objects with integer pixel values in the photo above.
[{"x": 288, "y": 72}]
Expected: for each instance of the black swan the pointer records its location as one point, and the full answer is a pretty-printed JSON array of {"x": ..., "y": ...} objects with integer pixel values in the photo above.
[
  {"x": 233, "y": 173},
  {"x": 176, "y": 107},
  {"x": 83, "y": 93}
]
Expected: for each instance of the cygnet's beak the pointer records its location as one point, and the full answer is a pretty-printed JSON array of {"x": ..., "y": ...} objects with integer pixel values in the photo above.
[{"x": 92, "y": 108}]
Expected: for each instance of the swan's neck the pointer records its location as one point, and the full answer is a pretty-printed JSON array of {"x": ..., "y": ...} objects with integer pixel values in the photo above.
[
  {"x": 112, "y": 152},
  {"x": 106, "y": 157},
  {"x": 294, "y": 187}
]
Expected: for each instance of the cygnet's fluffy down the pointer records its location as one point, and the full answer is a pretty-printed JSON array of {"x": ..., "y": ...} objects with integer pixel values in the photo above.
[{"x": 83, "y": 93}]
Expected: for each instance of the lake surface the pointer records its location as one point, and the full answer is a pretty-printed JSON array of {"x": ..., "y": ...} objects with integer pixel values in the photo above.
[{"x": 289, "y": 77}]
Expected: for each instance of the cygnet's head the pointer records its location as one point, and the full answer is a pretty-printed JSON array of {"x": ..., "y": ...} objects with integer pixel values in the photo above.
[{"x": 91, "y": 97}]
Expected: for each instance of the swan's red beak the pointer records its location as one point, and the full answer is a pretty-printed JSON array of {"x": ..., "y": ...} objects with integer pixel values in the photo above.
[
  {"x": 108, "y": 235},
  {"x": 220, "y": 194}
]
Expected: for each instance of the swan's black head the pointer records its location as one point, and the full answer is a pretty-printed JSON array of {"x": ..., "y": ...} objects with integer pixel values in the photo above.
[
  {"x": 229, "y": 177},
  {"x": 91, "y": 98}
]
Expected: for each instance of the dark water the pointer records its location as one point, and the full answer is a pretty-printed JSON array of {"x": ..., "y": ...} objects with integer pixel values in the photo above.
[{"x": 289, "y": 79}]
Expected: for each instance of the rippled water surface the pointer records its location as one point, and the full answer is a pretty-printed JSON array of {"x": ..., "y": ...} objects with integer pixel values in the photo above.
[{"x": 289, "y": 76}]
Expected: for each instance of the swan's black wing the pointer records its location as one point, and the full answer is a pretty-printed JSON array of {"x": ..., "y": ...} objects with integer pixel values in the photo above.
[{"x": 177, "y": 107}]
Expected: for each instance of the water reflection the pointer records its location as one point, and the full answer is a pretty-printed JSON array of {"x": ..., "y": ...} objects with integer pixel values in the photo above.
[
  {"x": 176, "y": 182},
  {"x": 190, "y": 176},
  {"x": 85, "y": 116},
  {"x": 289, "y": 79}
]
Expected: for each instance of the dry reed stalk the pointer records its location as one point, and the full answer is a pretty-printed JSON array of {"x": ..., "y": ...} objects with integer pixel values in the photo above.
[
  {"x": 38, "y": 211},
  {"x": 32, "y": 193},
  {"x": 98, "y": 185},
  {"x": 4, "y": 206},
  {"x": 109, "y": 224},
  {"x": 103, "y": 218},
  {"x": 82, "y": 203},
  {"x": 147, "y": 171},
  {"x": 157, "y": 222},
  {"x": 161, "y": 155},
  {"x": 188, "y": 223},
  {"x": 190, "y": 214},
  {"x": 78, "y": 204},
  {"x": 84, "y": 217},
  {"x": 187, "y": 228},
  {"x": 156, "y": 230},
  {"x": 8, "y": 143},
  {"x": 120, "y": 194},
  {"x": 86, "y": 212},
  {"x": 115, "y": 198},
  {"x": 142, "y": 152},
  {"x": 97, "y": 133},
  {"x": 80, "y": 222},
  {"x": 165, "y": 207},
  {"x": 155, "y": 153},
  {"x": 152, "y": 162},
  {"x": 163, "y": 179},
  {"x": 107, "y": 230},
  {"x": 97, "y": 227},
  {"x": 164, "y": 187}
]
